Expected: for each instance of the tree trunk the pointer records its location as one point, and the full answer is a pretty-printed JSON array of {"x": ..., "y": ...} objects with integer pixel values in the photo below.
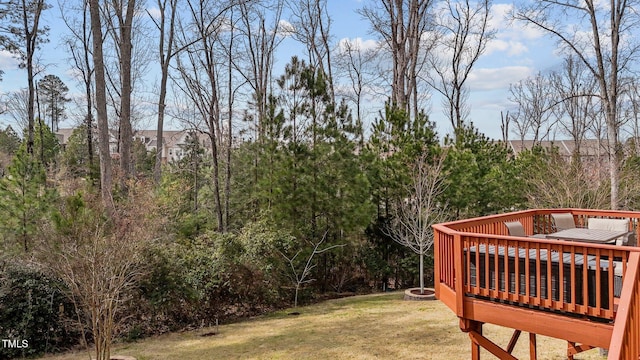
[
  {"x": 216, "y": 179},
  {"x": 421, "y": 273},
  {"x": 166, "y": 53},
  {"x": 101, "y": 106},
  {"x": 31, "y": 41},
  {"x": 227, "y": 180},
  {"x": 126, "y": 133}
]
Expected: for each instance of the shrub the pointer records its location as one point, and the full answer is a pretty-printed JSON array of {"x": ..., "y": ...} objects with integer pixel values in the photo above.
[
  {"x": 34, "y": 307},
  {"x": 214, "y": 276}
]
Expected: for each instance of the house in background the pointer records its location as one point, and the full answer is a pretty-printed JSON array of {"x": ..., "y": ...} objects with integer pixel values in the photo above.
[
  {"x": 63, "y": 136},
  {"x": 174, "y": 142},
  {"x": 591, "y": 150}
]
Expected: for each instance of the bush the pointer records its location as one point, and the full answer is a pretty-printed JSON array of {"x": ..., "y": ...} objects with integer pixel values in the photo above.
[
  {"x": 166, "y": 300},
  {"x": 214, "y": 276},
  {"x": 35, "y": 309}
]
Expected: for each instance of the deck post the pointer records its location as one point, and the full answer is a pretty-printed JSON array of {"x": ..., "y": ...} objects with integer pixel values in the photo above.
[
  {"x": 459, "y": 274},
  {"x": 513, "y": 341},
  {"x": 478, "y": 341},
  {"x": 436, "y": 263},
  {"x": 475, "y": 346},
  {"x": 574, "y": 349},
  {"x": 533, "y": 351}
]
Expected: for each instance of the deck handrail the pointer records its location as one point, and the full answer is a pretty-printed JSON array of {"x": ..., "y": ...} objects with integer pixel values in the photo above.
[
  {"x": 625, "y": 340},
  {"x": 530, "y": 282}
]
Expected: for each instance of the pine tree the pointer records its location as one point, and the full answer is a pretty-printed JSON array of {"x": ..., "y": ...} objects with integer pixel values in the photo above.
[
  {"x": 53, "y": 96},
  {"x": 24, "y": 200}
]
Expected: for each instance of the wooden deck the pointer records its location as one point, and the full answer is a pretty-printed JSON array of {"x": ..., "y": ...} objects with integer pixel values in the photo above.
[{"x": 587, "y": 294}]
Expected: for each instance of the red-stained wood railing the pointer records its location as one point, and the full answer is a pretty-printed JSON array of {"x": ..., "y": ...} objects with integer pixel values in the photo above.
[
  {"x": 546, "y": 274},
  {"x": 625, "y": 340},
  {"x": 570, "y": 284}
]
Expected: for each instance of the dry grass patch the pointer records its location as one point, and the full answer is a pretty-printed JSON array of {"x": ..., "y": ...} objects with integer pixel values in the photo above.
[{"x": 380, "y": 326}]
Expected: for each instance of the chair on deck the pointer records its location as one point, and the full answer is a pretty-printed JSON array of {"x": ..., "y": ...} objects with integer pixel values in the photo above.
[
  {"x": 632, "y": 239},
  {"x": 515, "y": 228},
  {"x": 563, "y": 221},
  {"x": 615, "y": 225},
  {"x": 629, "y": 239}
]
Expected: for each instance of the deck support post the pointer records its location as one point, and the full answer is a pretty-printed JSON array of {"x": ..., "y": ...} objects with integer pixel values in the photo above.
[
  {"x": 513, "y": 341},
  {"x": 533, "y": 351},
  {"x": 573, "y": 349},
  {"x": 475, "y": 327}
]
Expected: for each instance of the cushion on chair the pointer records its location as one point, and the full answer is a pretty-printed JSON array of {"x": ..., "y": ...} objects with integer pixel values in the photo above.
[
  {"x": 563, "y": 221},
  {"x": 613, "y": 225}
]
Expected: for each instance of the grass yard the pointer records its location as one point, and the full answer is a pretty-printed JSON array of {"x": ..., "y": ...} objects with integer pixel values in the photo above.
[{"x": 379, "y": 326}]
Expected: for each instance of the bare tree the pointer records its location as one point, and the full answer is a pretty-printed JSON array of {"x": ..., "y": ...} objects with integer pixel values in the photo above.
[
  {"x": 119, "y": 21},
  {"x": 574, "y": 87},
  {"x": 631, "y": 111},
  {"x": 300, "y": 275},
  {"x": 99, "y": 258},
  {"x": 312, "y": 24},
  {"x": 106, "y": 177},
  {"x": 553, "y": 184},
  {"x": 421, "y": 208},
  {"x": 598, "y": 131},
  {"x": 535, "y": 102},
  {"x": 401, "y": 24},
  {"x": 16, "y": 105},
  {"x": 465, "y": 33},
  {"x": 166, "y": 24},
  {"x": 260, "y": 26},
  {"x": 199, "y": 68},
  {"x": 505, "y": 121},
  {"x": 79, "y": 44},
  {"x": 605, "y": 43},
  {"x": 356, "y": 63},
  {"x": 27, "y": 34},
  {"x": 232, "y": 88}
]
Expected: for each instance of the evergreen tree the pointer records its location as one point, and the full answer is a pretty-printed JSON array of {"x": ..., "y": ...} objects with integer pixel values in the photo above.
[
  {"x": 24, "y": 200},
  {"x": 53, "y": 96},
  {"x": 482, "y": 175},
  {"x": 183, "y": 191},
  {"x": 9, "y": 144},
  {"x": 396, "y": 143},
  {"x": 75, "y": 157},
  {"x": 9, "y": 141},
  {"x": 46, "y": 144}
]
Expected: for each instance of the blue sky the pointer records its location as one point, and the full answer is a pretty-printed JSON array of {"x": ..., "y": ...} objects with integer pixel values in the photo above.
[{"x": 515, "y": 53}]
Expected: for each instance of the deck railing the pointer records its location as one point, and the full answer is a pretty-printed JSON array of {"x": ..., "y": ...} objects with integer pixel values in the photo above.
[
  {"x": 547, "y": 274},
  {"x": 476, "y": 258},
  {"x": 625, "y": 341}
]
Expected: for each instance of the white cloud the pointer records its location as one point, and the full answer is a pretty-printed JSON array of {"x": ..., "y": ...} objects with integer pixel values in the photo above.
[
  {"x": 510, "y": 36},
  {"x": 484, "y": 79},
  {"x": 512, "y": 48},
  {"x": 357, "y": 44},
  {"x": 7, "y": 61},
  {"x": 154, "y": 12},
  {"x": 499, "y": 16},
  {"x": 286, "y": 28}
]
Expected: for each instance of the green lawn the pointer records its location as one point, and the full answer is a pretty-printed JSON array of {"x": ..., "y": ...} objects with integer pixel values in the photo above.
[{"x": 380, "y": 326}]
